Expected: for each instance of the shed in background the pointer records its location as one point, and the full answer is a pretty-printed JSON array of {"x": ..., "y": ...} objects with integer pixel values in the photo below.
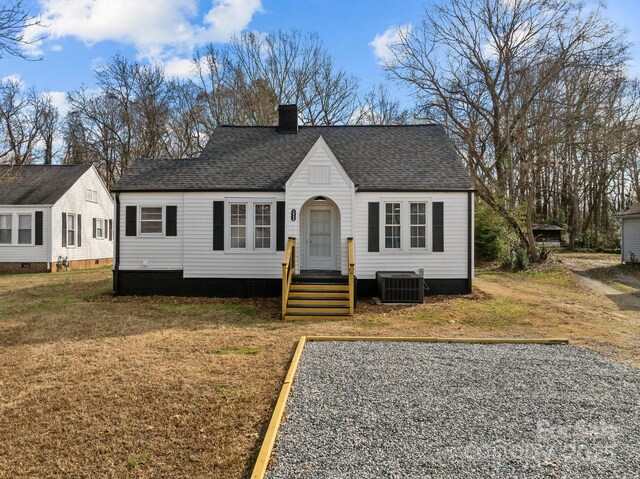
[{"x": 550, "y": 235}]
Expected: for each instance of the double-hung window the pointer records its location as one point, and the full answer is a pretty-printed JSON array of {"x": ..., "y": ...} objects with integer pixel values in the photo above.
[
  {"x": 250, "y": 225},
  {"x": 24, "y": 229},
  {"x": 150, "y": 220},
  {"x": 238, "y": 225},
  {"x": 418, "y": 225},
  {"x": 262, "y": 226},
  {"x": 392, "y": 226},
  {"x": 71, "y": 229},
  {"x": 6, "y": 227},
  {"x": 99, "y": 228}
]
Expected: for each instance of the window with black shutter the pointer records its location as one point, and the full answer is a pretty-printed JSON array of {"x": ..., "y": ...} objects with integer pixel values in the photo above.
[
  {"x": 374, "y": 227},
  {"x": 218, "y": 225},
  {"x": 131, "y": 222},
  {"x": 38, "y": 228},
  {"x": 79, "y": 233},
  {"x": 438, "y": 227},
  {"x": 280, "y": 225},
  {"x": 64, "y": 230},
  {"x": 171, "y": 227}
]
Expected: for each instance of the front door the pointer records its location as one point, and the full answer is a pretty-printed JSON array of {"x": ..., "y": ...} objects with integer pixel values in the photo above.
[{"x": 320, "y": 243}]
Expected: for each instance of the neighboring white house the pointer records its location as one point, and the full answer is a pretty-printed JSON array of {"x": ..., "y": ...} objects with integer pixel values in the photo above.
[
  {"x": 54, "y": 217},
  {"x": 630, "y": 234},
  {"x": 218, "y": 225}
]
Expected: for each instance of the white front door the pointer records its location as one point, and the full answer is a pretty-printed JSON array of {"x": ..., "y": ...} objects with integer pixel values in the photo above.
[{"x": 320, "y": 243}]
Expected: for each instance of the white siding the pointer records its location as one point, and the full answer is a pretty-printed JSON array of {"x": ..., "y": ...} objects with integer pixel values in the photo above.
[
  {"x": 28, "y": 253},
  {"x": 151, "y": 252},
  {"x": 201, "y": 261},
  {"x": 450, "y": 264},
  {"x": 75, "y": 201},
  {"x": 630, "y": 238},
  {"x": 302, "y": 186}
]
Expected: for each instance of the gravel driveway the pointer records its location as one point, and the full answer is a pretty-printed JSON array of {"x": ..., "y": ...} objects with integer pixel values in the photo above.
[{"x": 421, "y": 410}]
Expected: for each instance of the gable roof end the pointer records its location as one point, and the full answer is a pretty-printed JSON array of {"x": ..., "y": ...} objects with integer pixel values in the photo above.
[
  {"x": 37, "y": 184},
  {"x": 319, "y": 144}
]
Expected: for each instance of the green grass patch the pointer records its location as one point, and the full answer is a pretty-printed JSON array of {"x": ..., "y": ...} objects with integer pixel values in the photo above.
[
  {"x": 492, "y": 313},
  {"x": 497, "y": 313},
  {"x": 136, "y": 460},
  {"x": 549, "y": 276},
  {"x": 240, "y": 351},
  {"x": 555, "y": 277}
]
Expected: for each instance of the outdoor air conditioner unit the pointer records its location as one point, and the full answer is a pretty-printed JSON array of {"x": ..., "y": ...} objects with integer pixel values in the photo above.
[{"x": 400, "y": 287}]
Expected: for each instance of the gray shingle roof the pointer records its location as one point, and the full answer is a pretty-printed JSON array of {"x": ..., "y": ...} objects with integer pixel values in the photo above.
[
  {"x": 546, "y": 227},
  {"x": 37, "y": 184},
  {"x": 634, "y": 209},
  {"x": 376, "y": 158}
]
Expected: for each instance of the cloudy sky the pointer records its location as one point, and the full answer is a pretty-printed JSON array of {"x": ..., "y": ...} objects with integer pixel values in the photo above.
[{"x": 83, "y": 34}]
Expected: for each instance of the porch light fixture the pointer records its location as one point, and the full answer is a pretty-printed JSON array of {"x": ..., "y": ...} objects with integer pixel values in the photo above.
[
  {"x": 320, "y": 198},
  {"x": 293, "y": 215}
]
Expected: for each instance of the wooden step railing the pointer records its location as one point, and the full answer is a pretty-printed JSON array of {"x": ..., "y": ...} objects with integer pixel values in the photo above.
[
  {"x": 351, "y": 249},
  {"x": 288, "y": 270}
]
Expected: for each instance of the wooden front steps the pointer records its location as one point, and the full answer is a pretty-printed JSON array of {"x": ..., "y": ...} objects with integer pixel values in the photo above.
[{"x": 318, "y": 299}]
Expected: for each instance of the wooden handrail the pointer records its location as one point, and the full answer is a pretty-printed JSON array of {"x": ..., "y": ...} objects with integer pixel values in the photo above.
[
  {"x": 352, "y": 269},
  {"x": 288, "y": 270}
]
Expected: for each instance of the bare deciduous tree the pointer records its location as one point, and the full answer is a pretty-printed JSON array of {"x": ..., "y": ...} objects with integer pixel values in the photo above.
[
  {"x": 14, "y": 20},
  {"x": 495, "y": 73},
  {"x": 245, "y": 81},
  {"x": 378, "y": 108}
]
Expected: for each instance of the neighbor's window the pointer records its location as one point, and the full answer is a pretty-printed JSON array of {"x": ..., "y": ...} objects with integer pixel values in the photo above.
[
  {"x": 392, "y": 226},
  {"x": 5, "y": 229},
  {"x": 262, "y": 225},
  {"x": 151, "y": 219},
  {"x": 92, "y": 195},
  {"x": 24, "y": 229},
  {"x": 99, "y": 228},
  {"x": 238, "y": 224},
  {"x": 71, "y": 230},
  {"x": 418, "y": 225}
]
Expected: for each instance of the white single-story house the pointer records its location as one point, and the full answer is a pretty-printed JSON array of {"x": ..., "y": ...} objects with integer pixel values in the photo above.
[
  {"x": 265, "y": 211},
  {"x": 54, "y": 217},
  {"x": 630, "y": 234}
]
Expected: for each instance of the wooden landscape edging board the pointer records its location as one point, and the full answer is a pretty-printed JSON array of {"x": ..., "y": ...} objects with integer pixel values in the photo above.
[
  {"x": 262, "y": 462},
  {"x": 269, "y": 440}
]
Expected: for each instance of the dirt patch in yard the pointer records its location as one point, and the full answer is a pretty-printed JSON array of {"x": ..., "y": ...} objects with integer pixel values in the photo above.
[{"x": 95, "y": 386}]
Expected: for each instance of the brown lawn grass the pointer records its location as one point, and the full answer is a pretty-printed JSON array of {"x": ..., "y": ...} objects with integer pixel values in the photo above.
[{"x": 95, "y": 386}]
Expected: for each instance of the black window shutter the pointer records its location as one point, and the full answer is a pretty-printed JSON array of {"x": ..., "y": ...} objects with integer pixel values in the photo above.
[
  {"x": 131, "y": 221},
  {"x": 110, "y": 230},
  {"x": 64, "y": 229},
  {"x": 438, "y": 226},
  {"x": 280, "y": 224},
  {"x": 218, "y": 225},
  {"x": 94, "y": 227},
  {"x": 172, "y": 221},
  {"x": 374, "y": 227},
  {"x": 38, "y": 228},
  {"x": 79, "y": 232}
]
